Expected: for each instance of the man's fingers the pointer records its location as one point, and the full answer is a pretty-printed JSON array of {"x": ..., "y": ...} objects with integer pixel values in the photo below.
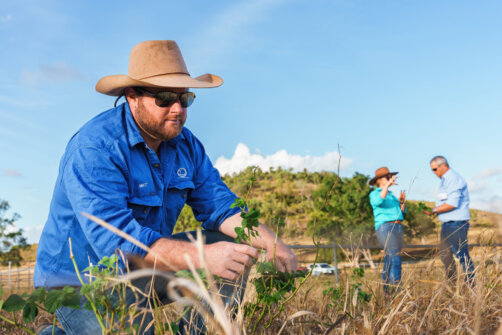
[
  {"x": 227, "y": 274},
  {"x": 246, "y": 249},
  {"x": 280, "y": 266},
  {"x": 292, "y": 265},
  {"x": 243, "y": 259},
  {"x": 235, "y": 266}
]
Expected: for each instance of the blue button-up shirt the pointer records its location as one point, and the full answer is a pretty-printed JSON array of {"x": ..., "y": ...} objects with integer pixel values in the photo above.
[
  {"x": 108, "y": 171},
  {"x": 385, "y": 209},
  {"x": 453, "y": 191}
]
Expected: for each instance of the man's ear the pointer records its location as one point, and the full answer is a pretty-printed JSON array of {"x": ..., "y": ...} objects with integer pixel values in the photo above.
[{"x": 131, "y": 96}]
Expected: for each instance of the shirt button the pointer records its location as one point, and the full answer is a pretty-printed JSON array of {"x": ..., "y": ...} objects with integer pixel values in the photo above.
[
  {"x": 156, "y": 165},
  {"x": 184, "y": 196},
  {"x": 152, "y": 193},
  {"x": 145, "y": 211}
]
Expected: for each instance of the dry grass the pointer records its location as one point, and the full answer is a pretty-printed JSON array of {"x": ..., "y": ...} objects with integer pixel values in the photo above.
[{"x": 425, "y": 304}]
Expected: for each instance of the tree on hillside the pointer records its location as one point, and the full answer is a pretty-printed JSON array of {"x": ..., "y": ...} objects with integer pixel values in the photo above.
[
  {"x": 12, "y": 241},
  {"x": 342, "y": 207}
]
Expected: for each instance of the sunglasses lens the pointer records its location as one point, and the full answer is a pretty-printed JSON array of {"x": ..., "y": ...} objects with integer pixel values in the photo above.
[
  {"x": 186, "y": 99},
  {"x": 165, "y": 99}
]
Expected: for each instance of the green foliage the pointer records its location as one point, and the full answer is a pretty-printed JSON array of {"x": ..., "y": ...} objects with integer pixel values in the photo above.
[
  {"x": 336, "y": 294},
  {"x": 40, "y": 299},
  {"x": 342, "y": 207},
  {"x": 416, "y": 223},
  {"x": 11, "y": 241},
  {"x": 273, "y": 288},
  {"x": 186, "y": 221},
  {"x": 248, "y": 224},
  {"x": 423, "y": 207}
]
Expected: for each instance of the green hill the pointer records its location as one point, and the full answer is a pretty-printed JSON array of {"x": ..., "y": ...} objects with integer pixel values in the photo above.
[{"x": 338, "y": 206}]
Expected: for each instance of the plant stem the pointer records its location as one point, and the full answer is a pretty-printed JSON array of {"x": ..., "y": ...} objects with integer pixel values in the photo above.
[
  {"x": 54, "y": 325},
  {"x": 98, "y": 316},
  {"x": 17, "y": 325}
]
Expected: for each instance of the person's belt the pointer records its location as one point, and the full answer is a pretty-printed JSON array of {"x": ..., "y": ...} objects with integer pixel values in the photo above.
[{"x": 395, "y": 221}]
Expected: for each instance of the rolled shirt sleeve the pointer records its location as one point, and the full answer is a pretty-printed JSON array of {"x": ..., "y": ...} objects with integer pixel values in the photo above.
[
  {"x": 454, "y": 193},
  {"x": 97, "y": 185}
]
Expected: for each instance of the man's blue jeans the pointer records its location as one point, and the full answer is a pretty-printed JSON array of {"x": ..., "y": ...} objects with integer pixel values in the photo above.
[
  {"x": 454, "y": 242},
  {"x": 82, "y": 321},
  {"x": 390, "y": 236}
]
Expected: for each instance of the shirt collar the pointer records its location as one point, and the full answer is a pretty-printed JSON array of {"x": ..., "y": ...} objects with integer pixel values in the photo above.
[{"x": 133, "y": 134}]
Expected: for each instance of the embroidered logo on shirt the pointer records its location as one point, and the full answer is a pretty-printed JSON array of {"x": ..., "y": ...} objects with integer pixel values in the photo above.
[
  {"x": 142, "y": 185},
  {"x": 182, "y": 172}
]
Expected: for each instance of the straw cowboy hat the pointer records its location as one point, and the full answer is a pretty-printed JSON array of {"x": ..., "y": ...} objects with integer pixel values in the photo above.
[
  {"x": 155, "y": 64},
  {"x": 381, "y": 172}
]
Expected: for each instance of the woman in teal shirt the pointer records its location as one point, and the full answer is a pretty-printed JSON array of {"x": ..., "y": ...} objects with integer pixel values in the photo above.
[{"x": 388, "y": 212}]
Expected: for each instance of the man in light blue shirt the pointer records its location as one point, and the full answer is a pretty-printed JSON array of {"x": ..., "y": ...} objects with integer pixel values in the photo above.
[{"x": 452, "y": 209}]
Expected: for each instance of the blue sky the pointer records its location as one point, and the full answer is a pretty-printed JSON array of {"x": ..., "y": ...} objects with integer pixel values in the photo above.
[{"x": 392, "y": 82}]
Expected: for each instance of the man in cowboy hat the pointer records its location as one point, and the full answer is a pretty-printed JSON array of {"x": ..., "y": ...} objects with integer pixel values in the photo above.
[
  {"x": 135, "y": 166},
  {"x": 452, "y": 209}
]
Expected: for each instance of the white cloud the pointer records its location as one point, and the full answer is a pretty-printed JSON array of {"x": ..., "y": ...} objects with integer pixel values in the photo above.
[
  {"x": 12, "y": 173},
  {"x": 493, "y": 204},
  {"x": 243, "y": 158},
  {"x": 476, "y": 186},
  {"x": 33, "y": 233},
  {"x": 58, "y": 73},
  {"x": 479, "y": 183},
  {"x": 490, "y": 172},
  {"x": 6, "y": 18}
]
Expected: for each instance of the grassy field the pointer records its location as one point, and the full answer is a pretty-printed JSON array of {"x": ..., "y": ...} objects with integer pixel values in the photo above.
[{"x": 424, "y": 304}]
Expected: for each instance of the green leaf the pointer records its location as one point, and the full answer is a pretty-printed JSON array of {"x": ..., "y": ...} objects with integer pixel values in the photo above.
[
  {"x": 174, "y": 327},
  {"x": 38, "y": 295},
  {"x": 53, "y": 300},
  {"x": 14, "y": 303},
  {"x": 263, "y": 267},
  {"x": 70, "y": 298},
  {"x": 253, "y": 214},
  {"x": 238, "y": 203},
  {"x": 88, "y": 306},
  {"x": 30, "y": 312},
  {"x": 87, "y": 269}
]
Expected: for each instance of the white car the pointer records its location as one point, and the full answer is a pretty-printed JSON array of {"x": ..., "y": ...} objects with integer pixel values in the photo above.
[{"x": 321, "y": 268}]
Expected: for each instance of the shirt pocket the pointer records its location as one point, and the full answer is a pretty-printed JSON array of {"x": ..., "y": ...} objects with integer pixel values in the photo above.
[
  {"x": 142, "y": 205},
  {"x": 176, "y": 197}
]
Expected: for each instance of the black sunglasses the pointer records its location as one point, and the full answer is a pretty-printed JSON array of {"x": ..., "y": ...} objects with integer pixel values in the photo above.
[{"x": 167, "y": 98}]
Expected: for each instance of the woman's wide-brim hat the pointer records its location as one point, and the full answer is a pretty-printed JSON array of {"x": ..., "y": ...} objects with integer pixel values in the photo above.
[
  {"x": 156, "y": 64},
  {"x": 381, "y": 172}
]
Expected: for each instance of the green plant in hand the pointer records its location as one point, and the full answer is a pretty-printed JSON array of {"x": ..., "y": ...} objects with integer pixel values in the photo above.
[
  {"x": 423, "y": 207},
  {"x": 273, "y": 288},
  {"x": 249, "y": 222}
]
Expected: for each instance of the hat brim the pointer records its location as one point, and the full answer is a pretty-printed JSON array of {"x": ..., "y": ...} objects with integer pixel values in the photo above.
[
  {"x": 114, "y": 85},
  {"x": 375, "y": 178}
]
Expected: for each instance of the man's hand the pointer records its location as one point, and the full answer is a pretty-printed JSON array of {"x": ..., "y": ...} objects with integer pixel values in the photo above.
[
  {"x": 429, "y": 212},
  {"x": 285, "y": 259},
  {"x": 229, "y": 260}
]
